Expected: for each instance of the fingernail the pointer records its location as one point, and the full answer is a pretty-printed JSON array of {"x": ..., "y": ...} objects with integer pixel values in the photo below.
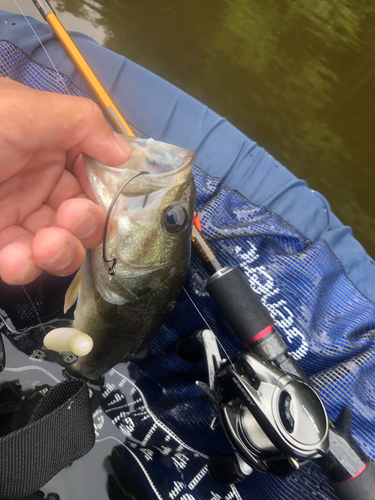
[
  {"x": 62, "y": 258},
  {"x": 123, "y": 143},
  {"x": 29, "y": 271},
  {"x": 85, "y": 226}
]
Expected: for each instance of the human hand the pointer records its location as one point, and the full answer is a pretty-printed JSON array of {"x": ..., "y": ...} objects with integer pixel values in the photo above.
[{"x": 47, "y": 209}]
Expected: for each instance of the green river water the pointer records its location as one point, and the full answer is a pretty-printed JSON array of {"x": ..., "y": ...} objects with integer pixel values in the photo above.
[{"x": 297, "y": 76}]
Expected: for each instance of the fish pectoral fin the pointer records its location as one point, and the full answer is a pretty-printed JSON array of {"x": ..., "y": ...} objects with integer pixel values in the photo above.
[
  {"x": 68, "y": 340},
  {"x": 72, "y": 292}
]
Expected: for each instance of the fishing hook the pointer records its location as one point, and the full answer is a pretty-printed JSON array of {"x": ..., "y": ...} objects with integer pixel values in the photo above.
[{"x": 112, "y": 268}]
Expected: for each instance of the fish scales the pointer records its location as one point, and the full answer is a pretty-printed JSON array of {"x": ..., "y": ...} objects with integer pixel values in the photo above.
[{"x": 150, "y": 236}]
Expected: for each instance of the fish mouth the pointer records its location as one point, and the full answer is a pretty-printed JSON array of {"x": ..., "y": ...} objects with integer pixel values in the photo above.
[{"x": 166, "y": 165}]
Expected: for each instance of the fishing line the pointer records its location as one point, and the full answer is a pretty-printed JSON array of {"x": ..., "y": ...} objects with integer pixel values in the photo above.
[
  {"x": 83, "y": 319},
  {"x": 45, "y": 50},
  {"x": 196, "y": 307},
  {"x": 208, "y": 326},
  {"x": 35, "y": 309}
]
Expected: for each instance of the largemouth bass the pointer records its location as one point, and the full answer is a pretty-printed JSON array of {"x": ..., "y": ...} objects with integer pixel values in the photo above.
[{"x": 150, "y": 236}]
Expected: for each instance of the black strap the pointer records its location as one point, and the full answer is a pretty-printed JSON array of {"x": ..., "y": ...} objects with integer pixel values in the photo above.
[{"x": 58, "y": 431}]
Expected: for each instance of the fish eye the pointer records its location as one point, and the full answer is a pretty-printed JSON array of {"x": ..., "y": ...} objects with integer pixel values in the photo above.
[{"x": 174, "y": 219}]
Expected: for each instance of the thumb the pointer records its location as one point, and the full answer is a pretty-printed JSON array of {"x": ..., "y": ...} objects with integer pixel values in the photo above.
[
  {"x": 100, "y": 141},
  {"x": 64, "y": 122}
]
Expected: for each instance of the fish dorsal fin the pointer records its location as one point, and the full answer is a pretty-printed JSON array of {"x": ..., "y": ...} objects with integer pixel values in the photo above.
[{"x": 73, "y": 291}]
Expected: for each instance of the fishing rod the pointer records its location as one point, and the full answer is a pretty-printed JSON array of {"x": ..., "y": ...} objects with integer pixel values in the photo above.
[
  {"x": 105, "y": 102},
  {"x": 350, "y": 471}
]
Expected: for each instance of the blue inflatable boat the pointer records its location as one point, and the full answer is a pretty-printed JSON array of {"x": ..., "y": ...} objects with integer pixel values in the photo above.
[{"x": 152, "y": 426}]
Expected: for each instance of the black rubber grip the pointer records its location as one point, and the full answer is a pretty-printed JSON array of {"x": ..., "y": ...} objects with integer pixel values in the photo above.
[
  {"x": 361, "y": 487},
  {"x": 239, "y": 304}
]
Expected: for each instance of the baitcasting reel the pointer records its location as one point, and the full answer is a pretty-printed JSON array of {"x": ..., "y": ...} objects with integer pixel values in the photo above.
[{"x": 273, "y": 421}]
